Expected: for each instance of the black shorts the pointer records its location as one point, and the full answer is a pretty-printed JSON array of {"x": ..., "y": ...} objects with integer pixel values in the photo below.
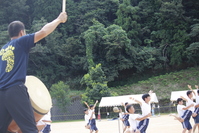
[{"x": 15, "y": 104}]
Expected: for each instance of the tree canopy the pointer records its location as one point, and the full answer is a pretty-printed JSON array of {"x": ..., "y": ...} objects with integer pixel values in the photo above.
[{"x": 128, "y": 37}]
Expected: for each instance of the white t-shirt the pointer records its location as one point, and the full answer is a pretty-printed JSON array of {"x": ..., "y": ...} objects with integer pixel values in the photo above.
[
  {"x": 86, "y": 118},
  {"x": 121, "y": 115},
  {"x": 125, "y": 110},
  {"x": 180, "y": 110},
  {"x": 146, "y": 108},
  {"x": 197, "y": 99},
  {"x": 133, "y": 123},
  {"x": 90, "y": 113},
  {"x": 189, "y": 102},
  {"x": 46, "y": 117}
]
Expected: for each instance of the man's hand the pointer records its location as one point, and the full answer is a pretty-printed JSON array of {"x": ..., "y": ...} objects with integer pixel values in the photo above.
[
  {"x": 189, "y": 86},
  {"x": 96, "y": 102},
  {"x": 62, "y": 17},
  {"x": 149, "y": 115},
  {"x": 150, "y": 92},
  {"x": 132, "y": 98},
  {"x": 196, "y": 86},
  {"x": 50, "y": 27}
]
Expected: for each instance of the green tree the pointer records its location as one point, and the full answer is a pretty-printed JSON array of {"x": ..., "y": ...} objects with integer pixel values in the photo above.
[
  {"x": 60, "y": 92},
  {"x": 127, "y": 18},
  {"x": 193, "y": 49},
  {"x": 96, "y": 83}
]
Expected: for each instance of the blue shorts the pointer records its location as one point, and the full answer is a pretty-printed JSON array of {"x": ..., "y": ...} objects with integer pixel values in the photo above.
[
  {"x": 93, "y": 125},
  {"x": 143, "y": 125},
  {"x": 196, "y": 119},
  {"x": 187, "y": 114},
  {"x": 46, "y": 129},
  {"x": 196, "y": 110},
  {"x": 186, "y": 124},
  {"x": 126, "y": 123},
  {"x": 126, "y": 117}
]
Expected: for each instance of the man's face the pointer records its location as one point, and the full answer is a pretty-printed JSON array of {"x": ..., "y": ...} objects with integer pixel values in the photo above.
[
  {"x": 131, "y": 110},
  {"x": 86, "y": 112},
  {"x": 190, "y": 95},
  {"x": 180, "y": 103},
  {"x": 148, "y": 99}
]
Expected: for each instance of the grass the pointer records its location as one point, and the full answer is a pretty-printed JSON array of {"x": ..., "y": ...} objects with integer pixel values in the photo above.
[{"x": 162, "y": 85}]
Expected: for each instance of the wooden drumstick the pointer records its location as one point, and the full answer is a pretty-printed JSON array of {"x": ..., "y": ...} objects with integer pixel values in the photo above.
[{"x": 64, "y": 6}]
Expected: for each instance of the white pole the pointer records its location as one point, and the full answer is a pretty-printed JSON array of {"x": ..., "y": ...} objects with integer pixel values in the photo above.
[
  {"x": 64, "y": 6},
  {"x": 119, "y": 123}
]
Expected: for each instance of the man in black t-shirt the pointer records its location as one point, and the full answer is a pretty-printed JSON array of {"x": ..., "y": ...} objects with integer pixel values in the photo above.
[{"x": 14, "y": 99}]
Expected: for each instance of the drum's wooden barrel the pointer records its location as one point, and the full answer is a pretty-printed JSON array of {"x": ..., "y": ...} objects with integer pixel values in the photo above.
[{"x": 40, "y": 100}]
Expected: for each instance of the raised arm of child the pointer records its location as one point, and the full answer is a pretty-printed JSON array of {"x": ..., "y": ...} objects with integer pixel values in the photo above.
[
  {"x": 87, "y": 105},
  {"x": 183, "y": 98},
  {"x": 95, "y": 104},
  {"x": 137, "y": 101},
  {"x": 189, "y": 86}
]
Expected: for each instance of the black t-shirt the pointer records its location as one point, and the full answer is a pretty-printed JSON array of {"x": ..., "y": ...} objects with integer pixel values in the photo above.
[{"x": 14, "y": 60}]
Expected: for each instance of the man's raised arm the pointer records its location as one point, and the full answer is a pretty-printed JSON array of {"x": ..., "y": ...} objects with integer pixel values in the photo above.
[
  {"x": 95, "y": 104},
  {"x": 189, "y": 86},
  {"x": 87, "y": 105},
  {"x": 137, "y": 101},
  {"x": 50, "y": 27}
]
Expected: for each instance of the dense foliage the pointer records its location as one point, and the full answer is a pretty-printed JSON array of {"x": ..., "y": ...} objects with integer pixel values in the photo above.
[
  {"x": 129, "y": 37},
  {"x": 163, "y": 85}
]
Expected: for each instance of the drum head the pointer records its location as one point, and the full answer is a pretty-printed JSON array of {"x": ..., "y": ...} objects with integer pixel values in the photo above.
[{"x": 39, "y": 95}]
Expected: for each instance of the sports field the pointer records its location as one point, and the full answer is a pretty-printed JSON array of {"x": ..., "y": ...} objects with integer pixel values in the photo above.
[{"x": 161, "y": 124}]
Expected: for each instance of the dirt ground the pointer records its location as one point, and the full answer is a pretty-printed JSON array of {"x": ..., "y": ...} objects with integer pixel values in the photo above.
[{"x": 161, "y": 124}]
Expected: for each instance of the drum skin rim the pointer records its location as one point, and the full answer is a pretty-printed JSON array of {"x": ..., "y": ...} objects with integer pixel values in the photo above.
[
  {"x": 39, "y": 112},
  {"x": 32, "y": 81}
]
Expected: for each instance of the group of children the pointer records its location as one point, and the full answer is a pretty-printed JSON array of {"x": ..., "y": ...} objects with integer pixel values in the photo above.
[
  {"x": 133, "y": 123},
  {"x": 191, "y": 109}
]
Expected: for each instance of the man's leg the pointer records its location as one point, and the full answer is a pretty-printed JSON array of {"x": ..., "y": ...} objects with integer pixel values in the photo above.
[
  {"x": 187, "y": 114},
  {"x": 94, "y": 126},
  {"x": 46, "y": 129},
  {"x": 194, "y": 127},
  {"x": 125, "y": 126},
  {"x": 190, "y": 131},
  {"x": 5, "y": 117},
  {"x": 184, "y": 130},
  {"x": 196, "y": 120},
  {"x": 198, "y": 128},
  {"x": 143, "y": 126},
  {"x": 137, "y": 131},
  {"x": 124, "y": 129},
  {"x": 19, "y": 107},
  {"x": 187, "y": 125},
  {"x": 177, "y": 118}
]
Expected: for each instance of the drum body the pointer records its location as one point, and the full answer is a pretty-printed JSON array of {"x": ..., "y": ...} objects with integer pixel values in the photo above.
[{"x": 40, "y": 100}]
